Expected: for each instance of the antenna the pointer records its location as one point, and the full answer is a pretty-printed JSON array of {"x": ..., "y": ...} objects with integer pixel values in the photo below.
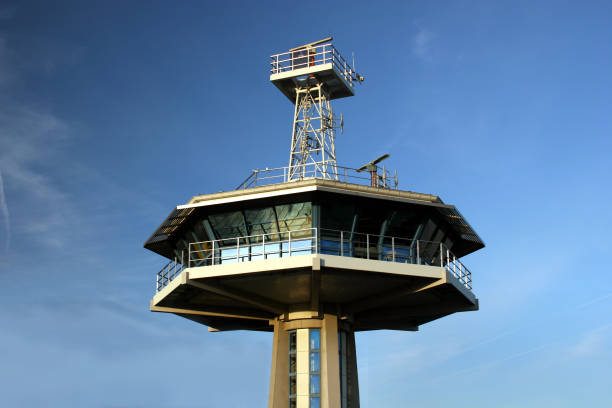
[
  {"x": 312, "y": 44},
  {"x": 373, "y": 169},
  {"x": 373, "y": 163},
  {"x": 311, "y": 76}
]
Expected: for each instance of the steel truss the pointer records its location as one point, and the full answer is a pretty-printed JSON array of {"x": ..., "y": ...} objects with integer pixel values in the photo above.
[{"x": 314, "y": 132}]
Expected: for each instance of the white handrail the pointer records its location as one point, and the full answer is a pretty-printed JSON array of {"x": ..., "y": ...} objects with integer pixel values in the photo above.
[{"x": 314, "y": 241}]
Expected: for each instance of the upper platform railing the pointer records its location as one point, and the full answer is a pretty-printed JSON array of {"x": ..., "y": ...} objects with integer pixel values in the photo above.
[
  {"x": 329, "y": 171},
  {"x": 315, "y": 241},
  {"x": 312, "y": 57}
]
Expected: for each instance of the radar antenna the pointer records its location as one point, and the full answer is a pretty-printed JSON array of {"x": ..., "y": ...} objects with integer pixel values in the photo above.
[{"x": 372, "y": 167}]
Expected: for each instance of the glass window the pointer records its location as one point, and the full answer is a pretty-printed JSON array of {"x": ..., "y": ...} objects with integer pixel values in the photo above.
[
  {"x": 337, "y": 213},
  {"x": 261, "y": 221},
  {"x": 293, "y": 217},
  {"x": 228, "y": 225},
  {"x": 315, "y": 367},
  {"x": 292, "y": 369},
  {"x": 315, "y": 384},
  {"x": 248, "y": 235},
  {"x": 315, "y": 361},
  {"x": 315, "y": 339},
  {"x": 292, "y": 341}
]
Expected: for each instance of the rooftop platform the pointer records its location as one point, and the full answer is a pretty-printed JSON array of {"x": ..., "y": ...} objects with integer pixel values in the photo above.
[{"x": 321, "y": 63}]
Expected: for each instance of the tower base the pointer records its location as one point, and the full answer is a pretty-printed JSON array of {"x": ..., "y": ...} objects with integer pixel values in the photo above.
[{"x": 314, "y": 363}]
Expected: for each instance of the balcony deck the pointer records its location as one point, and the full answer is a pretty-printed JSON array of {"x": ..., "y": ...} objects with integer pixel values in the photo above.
[
  {"x": 321, "y": 63},
  {"x": 311, "y": 241}
]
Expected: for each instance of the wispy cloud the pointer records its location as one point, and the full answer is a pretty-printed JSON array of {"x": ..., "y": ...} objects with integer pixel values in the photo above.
[
  {"x": 29, "y": 139},
  {"x": 593, "y": 343},
  {"x": 594, "y": 301},
  {"x": 422, "y": 43},
  {"x": 6, "y": 70},
  {"x": 487, "y": 365},
  {"x": 5, "y": 215}
]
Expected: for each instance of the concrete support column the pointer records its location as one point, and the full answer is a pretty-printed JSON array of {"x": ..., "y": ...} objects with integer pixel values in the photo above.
[
  {"x": 330, "y": 363},
  {"x": 279, "y": 373}
]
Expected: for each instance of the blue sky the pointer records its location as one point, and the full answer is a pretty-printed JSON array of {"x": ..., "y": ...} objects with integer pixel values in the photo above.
[{"x": 112, "y": 113}]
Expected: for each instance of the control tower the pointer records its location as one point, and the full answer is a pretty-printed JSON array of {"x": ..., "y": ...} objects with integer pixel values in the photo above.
[{"x": 314, "y": 251}]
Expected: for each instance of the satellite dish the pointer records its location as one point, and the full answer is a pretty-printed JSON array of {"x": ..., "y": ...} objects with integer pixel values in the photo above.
[{"x": 371, "y": 166}]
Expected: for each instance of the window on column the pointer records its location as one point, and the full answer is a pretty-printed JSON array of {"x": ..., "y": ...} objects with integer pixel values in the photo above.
[
  {"x": 292, "y": 369},
  {"x": 315, "y": 367}
]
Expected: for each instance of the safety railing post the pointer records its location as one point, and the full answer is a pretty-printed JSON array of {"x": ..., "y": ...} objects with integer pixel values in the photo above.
[
  {"x": 341, "y": 243},
  {"x": 237, "y": 249},
  {"x": 441, "y": 255},
  {"x": 289, "y": 243},
  {"x": 367, "y": 246},
  {"x": 189, "y": 256},
  {"x": 213, "y": 253},
  {"x": 182, "y": 259},
  {"x": 418, "y": 254},
  {"x": 393, "y": 248},
  {"x": 263, "y": 246}
]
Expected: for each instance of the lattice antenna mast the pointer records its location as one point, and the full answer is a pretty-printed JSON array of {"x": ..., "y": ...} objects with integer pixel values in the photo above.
[
  {"x": 311, "y": 76},
  {"x": 314, "y": 132}
]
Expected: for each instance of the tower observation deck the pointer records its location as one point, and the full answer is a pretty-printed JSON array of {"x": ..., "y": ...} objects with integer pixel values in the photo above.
[{"x": 313, "y": 251}]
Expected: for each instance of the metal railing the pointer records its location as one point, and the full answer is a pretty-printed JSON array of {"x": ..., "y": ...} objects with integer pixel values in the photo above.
[
  {"x": 393, "y": 249},
  {"x": 313, "y": 56},
  {"x": 168, "y": 273},
  {"x": 323, "y": 170},
  {"x": 253, "y": 247},
  {"x": 316, "y": 241}
]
